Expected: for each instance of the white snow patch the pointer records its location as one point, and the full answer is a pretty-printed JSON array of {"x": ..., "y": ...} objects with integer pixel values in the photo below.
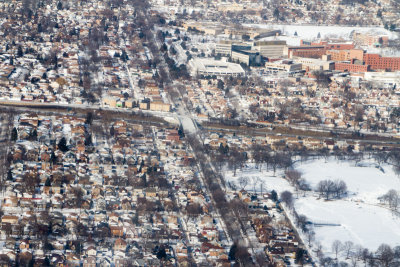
[{"x": 361, "y": 218}]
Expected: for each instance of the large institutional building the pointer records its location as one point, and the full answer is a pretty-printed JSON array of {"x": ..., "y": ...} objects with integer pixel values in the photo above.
[{"x": 210, "y": 67}]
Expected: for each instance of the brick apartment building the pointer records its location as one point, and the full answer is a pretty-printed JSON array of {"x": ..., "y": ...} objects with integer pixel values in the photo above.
[
  {"x": 351, "y": 67},
  {"x": 378, "y": 62},
  {"x": 345, "y": 55},
  {"x": 360, "y": 59},
  {"x": 315, "y": 50}
]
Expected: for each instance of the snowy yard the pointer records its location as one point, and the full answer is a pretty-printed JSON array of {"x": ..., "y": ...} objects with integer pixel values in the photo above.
[
  {"x": 361, "y": 218},
  {"x": 311, "y": 31}
]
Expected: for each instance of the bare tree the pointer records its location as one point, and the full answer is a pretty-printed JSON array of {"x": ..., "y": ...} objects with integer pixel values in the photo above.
[
  {"x": 385, "y": 255},
  {"x": 255, "y": 180},
  {"x": 287, "y": 198},
  {"x": 392, "y": 198},
  {"x": 243, "y": 182},
  {"x": 318, "y": 250},
  {"x": 310, "y": 237},
  {"x": 194, "y": 209},
  {"x": 340, "y": 188},
  {"x": 337, "y": 247},
  {"x": 348, "y": 248},
  {"x": 293, "y": 176}
]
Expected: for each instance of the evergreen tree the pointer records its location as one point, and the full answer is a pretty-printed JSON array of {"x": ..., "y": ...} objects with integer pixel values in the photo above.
[
  {"x": 46, "y": 262},
  {"x": 9, "y": 175},
  {"x": 276, "y": 13},
  {"x": 88, "y": 140},
  {"x": 161, "y": 254},
  {"x": 20, "y": 53},
  {"x": 62, "y": 145},
  {"x": 300, "y": 256},
  {"x": 53, "y": 158},
  {"x": 274, "y": 195},
  {"x": 379, "y": 13},
  {"x": 232, "y": 252},
  {"x": 124, "y": 56},
  {"x": 181, "y": 132},
  {"x": 89, "y": 118},
  {"x": 14, "y": 134}
]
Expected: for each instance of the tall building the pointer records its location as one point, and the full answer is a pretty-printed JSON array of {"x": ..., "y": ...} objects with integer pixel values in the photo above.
[
  {"x": 250, "y": 52},
  {"x": 378, "y": 62},
  {"x": 224, "y": 47},
  {"x": 270, "y": 49}
]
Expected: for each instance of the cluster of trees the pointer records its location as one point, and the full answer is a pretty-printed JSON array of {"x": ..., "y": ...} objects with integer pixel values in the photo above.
[
  {"x": 294, "y": 178},
  {"x": 329, "y": 188},
  {"x": 287, "y": 198},
  {"x": 264, "y": 155},
  {"x": 177, "y": 72},
  {"x": 231, "y": 211},
  {"x": 384, "y": 256},
  {"x": 391, "y": 198},
  {"x": 239, "y": 254}
]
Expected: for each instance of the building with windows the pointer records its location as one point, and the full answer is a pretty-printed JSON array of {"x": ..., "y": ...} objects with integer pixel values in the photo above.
[
  {"x": 248, "y": 57},
  {"x": 385, "y": 79},
  {"x": 313, "y": 64},
  {"x": 224, "y": 47},
  {"x": 378, "y": 62},
  {"x": 286, "y": 66},
  {"x": 351, "y": 66},
  {"x": 211, "y": 67},
  {"x": 312, "y": 51},
  {"x": 343, "y": 55},
  {"x": 270, "y": 49}
]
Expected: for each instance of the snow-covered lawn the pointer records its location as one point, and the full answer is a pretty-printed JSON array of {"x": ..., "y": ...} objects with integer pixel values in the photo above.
[
  {"x": 365, "y": 181},
  {"x": 311, "y": 31},
  {"x": 361, "y": 218},
  {"x": 363, "y": 224}
]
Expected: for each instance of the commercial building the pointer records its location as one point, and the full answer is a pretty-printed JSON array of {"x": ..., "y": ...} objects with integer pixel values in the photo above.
[
  {"x": 287, "y": 66},
  {"x": 312, "y": 64},
  {"x": 247, "y": 57},
  {"x": 270, "y": 49},
  {"x": 210, "y": 67},
  {"x": 378, "y": 62},
  {"x": 366, "y": 39},
  {"x": 268, "y": 34},
  {"x": 351, "y": 66},
  {"x": 375, "y": 61},
  {"x": 385, "y": 79},
  {"x": 224, "y": 47},
  {"x": 329, "y": 46},
  {"x": 206, "y": 27},
  {"x": 314, "y": 51},
  {"x": 160, "y": 106},
  {"x": 344, "y": 55}
]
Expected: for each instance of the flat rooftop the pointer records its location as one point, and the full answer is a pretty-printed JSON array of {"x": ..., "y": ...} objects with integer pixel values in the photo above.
[{"x": 215, "y": 66}]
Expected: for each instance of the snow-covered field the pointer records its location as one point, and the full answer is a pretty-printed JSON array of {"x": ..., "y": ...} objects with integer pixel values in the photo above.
[
  {"x": 311, "y": 31},
  {"x": 361, "y": 218}
]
